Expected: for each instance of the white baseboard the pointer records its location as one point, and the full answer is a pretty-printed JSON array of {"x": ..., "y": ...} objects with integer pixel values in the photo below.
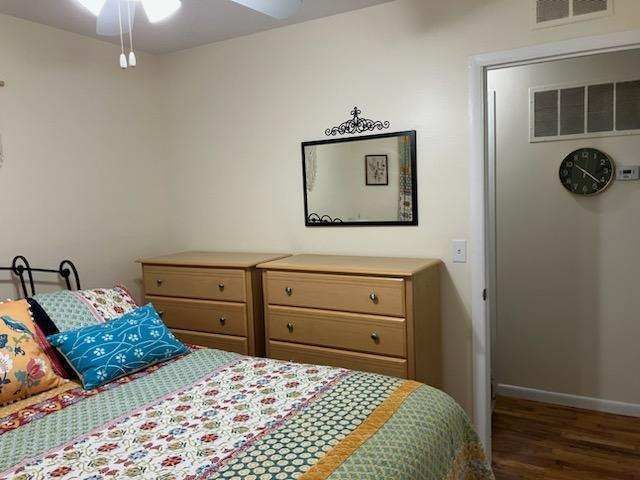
[{"x": 589, "y": 403}]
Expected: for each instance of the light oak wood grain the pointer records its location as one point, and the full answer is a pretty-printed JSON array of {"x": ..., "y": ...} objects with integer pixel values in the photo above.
[
  {"x": 212, "y": 340},
  {"x": 337, "y": 292},
  {"x": 350, "y": 331},
  {"x": 382, "y": 266},
  {"x": 395, "y": 367},
  {"x": 190, "y": 294},
  {"x": 202, "y": 315},
  {"x": 201, "y": 283},
  {"x": 242, "y": 260},
  {"x": 424, "y": 329},
  {"x": 329, "y": 317}
]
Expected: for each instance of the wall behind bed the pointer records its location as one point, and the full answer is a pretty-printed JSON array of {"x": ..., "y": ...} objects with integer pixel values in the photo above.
[
  {"x": 239, "y": 109},
  {"x": 82, "y": 155}
]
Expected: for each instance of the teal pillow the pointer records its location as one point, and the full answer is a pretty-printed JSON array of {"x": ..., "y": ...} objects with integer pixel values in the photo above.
[{"x": 107, "y": 351}]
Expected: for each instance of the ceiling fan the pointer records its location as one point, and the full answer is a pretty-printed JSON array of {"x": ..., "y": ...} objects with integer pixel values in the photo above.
[{"x": 116, "y": 17}]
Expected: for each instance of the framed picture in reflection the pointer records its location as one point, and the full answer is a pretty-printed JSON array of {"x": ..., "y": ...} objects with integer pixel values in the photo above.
[{"x": 376, "y": 170}]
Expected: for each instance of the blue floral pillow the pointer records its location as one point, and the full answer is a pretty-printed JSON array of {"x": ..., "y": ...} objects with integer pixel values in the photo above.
[{"x": 104, "y": 352}]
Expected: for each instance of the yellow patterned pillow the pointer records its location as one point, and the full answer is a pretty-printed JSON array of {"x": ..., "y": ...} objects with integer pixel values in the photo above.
[{"x": 25, "y": 369}]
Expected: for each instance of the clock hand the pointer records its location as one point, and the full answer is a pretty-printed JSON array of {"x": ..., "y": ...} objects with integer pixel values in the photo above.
[{"x": 587, "y": 173}]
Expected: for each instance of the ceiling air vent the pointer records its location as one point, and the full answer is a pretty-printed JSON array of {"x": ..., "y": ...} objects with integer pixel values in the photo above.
[
  {"x": 549, "y": 13},
  {"x": 571, "y": 111}
]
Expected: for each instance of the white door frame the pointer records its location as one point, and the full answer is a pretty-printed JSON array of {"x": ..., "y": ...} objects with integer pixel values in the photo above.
[{"x": 482, "y": 254}]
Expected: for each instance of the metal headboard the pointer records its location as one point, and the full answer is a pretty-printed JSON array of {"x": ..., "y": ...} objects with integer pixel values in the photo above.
[{"x": 21, "y": 267}]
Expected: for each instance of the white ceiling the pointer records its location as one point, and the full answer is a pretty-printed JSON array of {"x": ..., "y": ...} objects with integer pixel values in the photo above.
[{"x": 198, "y": 22}]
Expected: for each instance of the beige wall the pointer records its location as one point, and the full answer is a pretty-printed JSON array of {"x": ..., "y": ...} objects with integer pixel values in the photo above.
[
  {"x": 239, "y": 110},
  {"x": 82, "y": 147},
  {"x": 217, "y": 163},
  {"x": 567, "y": 265}
]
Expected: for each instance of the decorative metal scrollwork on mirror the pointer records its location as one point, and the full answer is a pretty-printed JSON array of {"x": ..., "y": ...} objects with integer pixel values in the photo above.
[
  {"x": 317, "y": 219},
  {"x": 361, "y": 181},
  {"x": 356, "y": 124}
]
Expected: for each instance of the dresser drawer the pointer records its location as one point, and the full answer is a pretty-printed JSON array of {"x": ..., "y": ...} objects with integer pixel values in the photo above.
[
  {"x": 351, "y": 331},
  {"x": 212, "y": 340},
  {"x": 202, "y": 315},
  {"x": 381, "y": 296},
  {"x": 210, "y": 284},
  {"x": 365, "y": 362}
]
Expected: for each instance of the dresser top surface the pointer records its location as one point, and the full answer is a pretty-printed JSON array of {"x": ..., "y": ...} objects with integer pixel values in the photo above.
[
  {"x": 212, "y": 259},
  {"x": 401, "y": 267}
]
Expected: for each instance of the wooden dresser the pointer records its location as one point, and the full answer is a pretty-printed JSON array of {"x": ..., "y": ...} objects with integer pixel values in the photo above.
[
  {"x": 213, "y": 299},
  {"x": 364, "y": 313}
]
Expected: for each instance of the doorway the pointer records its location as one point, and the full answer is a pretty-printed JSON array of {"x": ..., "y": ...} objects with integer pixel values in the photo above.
[
  {"x": 564, "y": 325},
  {"x": 481, "y": 189}
]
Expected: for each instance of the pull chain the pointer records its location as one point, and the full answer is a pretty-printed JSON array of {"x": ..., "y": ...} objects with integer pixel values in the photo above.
[
  {"x": 132, "y": 56},
  {"x": 123, "y": 57}
]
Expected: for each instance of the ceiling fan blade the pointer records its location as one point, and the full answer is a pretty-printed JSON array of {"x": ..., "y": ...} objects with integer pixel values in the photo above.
[
  {"x": 279, "y": 9},
  {"x": 108, "y": 23}
]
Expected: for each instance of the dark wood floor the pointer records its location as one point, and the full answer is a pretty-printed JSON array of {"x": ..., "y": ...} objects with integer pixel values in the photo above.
[{"x": 534, "y": 440}]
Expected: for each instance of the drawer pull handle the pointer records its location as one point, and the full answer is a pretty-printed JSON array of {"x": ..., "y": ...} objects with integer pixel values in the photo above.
[
  {"x": 223, "y": 321},
  {"x": 290, "y": 327},
  {"x": 221, "y": 286},
  {"x": 289, "y": 291},
  {"x": 161, "y": 314},
  {"x": 375, "y": 336},
  {"x": 159, "y": 282},
  {"x": 374, "y": 298}
]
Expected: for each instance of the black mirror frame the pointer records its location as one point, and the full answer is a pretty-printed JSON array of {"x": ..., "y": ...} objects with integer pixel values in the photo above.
[{"x": 322, "y": 222}]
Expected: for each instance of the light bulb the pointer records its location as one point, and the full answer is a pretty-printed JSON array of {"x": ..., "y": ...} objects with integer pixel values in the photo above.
[
  {"x": 123, "y": 60},
  {"x": 94, "y": 6},
  {"x": 158, "y": 10},
  {"x": 132, "y": 59}
]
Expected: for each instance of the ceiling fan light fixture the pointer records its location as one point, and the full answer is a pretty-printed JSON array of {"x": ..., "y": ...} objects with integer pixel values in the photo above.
[
  {"x": 158, "y": 10},
  {"x": 279, "y": 9},
  {"x": 94, "y": 6}
]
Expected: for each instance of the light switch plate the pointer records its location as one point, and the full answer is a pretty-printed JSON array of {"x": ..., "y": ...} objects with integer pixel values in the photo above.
[{"x": 459, "y": 251}]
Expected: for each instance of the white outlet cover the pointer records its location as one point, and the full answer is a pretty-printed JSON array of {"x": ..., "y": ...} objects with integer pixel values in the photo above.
[{"x": 459, "y": 251}]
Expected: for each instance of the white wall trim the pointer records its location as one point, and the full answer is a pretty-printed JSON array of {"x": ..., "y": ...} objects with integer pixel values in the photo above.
[
  {"x": 480, "y": 246},
  {"x": 576, "y": 401}
]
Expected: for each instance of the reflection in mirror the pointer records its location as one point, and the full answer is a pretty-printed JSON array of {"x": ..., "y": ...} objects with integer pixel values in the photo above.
[{"x": 361, "y": 180}]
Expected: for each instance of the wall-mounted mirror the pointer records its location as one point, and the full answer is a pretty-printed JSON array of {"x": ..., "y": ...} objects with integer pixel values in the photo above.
[{"x": 360, "y": 181}]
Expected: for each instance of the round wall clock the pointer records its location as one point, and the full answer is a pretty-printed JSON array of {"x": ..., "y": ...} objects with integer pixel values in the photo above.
[{"x": 587, "y": 171}]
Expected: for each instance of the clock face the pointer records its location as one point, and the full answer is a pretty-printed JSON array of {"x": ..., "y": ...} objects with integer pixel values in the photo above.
[{"x": 587, "y": 171}]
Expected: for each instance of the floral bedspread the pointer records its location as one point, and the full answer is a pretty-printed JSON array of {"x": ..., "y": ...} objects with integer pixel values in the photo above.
[{"x": 218, "y": 415}]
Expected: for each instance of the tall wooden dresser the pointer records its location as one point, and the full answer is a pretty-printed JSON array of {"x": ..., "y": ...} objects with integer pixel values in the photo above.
[
  {"x": 213, "y": 299},
  {"x": 364, "y": 313}
]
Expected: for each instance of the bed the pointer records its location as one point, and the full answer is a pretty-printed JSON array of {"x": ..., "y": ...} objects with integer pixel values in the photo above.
[{"x": 211, "y": 414}]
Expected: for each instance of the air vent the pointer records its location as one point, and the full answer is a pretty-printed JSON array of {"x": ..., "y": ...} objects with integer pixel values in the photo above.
[
  {"x": 550, "y": 13},
  {"x": 600, "y": 110},
  {"x": 584, "y": 7},
  {"x": 628, "y": 106},
  {"x": 546, "y": 113},
  {"x": 565, "y": 112},
  {"x": 571, "y": 111},
  {"x": 548, "y": 10}
]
